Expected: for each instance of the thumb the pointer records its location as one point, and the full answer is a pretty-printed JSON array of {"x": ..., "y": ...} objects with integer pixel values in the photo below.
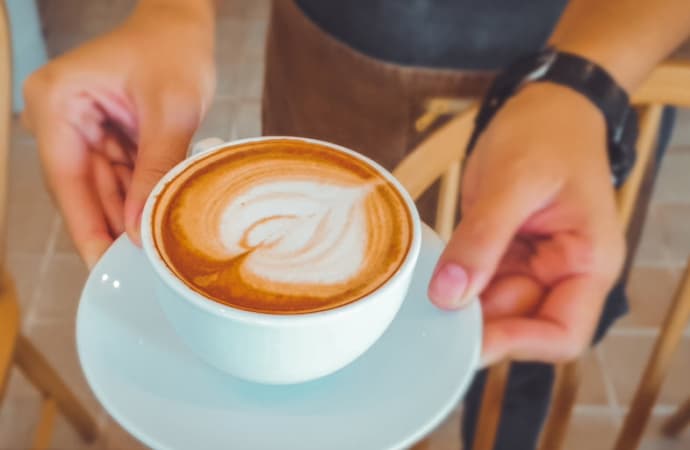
[
  {"x": 164, "y": 138},
  {"x": 480, "y": 240}
]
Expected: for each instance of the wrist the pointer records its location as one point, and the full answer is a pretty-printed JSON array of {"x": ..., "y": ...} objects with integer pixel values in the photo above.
[{"x": 562, "y": 98}]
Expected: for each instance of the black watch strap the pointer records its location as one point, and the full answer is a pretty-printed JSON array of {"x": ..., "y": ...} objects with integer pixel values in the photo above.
[{"x": 583, "y": 76}]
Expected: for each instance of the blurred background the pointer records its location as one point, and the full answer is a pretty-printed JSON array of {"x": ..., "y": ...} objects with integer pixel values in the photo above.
[{"x": 50, "y": 275}]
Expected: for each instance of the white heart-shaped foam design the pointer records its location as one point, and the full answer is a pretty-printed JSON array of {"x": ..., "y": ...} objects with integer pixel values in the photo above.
[{"x": 298, "y": 231}]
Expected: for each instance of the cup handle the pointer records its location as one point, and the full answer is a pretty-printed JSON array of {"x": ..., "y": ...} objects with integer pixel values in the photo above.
[{"x": 204, "y": 144}]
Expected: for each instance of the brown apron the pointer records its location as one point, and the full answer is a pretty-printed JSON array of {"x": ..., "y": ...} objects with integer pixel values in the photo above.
[{"x": 316, "y": 86}]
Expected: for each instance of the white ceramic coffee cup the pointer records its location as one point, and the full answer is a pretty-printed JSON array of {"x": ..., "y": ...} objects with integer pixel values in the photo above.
[{"x": 277, "y": 349}]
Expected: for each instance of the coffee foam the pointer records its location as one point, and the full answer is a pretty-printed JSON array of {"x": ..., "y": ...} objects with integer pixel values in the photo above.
[{"x": 281, "y": 227}]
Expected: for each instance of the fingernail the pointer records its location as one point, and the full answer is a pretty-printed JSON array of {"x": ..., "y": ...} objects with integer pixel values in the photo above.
[{"x": 448, "y": 285}]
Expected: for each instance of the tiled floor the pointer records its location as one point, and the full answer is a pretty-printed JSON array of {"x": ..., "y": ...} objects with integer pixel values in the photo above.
[{"x": 50, "y": 275}]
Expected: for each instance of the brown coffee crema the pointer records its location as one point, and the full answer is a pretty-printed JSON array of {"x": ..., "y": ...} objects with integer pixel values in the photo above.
[{"x": 282, "y": 227}]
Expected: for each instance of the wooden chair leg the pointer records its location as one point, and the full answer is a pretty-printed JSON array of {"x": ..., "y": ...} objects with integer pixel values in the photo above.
[
  {"x": 648, "y": 389},
  {"x": 448, "y": 201},
  {"x": 626, "y": 198},
  {"x": 492, "y": 405},
  {"x": 9, "y": 328},
  {"x": 679, "y": 420},
  {"x": 44, "y": 377},
  {"x": 565, "y": 394},
  {"x": 44, "y": 430}
]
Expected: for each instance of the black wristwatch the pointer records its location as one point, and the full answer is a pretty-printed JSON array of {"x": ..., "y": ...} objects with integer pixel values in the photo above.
[{"x": 583, "y": 76}]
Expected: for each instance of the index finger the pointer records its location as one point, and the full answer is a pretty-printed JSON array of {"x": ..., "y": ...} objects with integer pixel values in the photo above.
[{"x": 67, "y": 167}]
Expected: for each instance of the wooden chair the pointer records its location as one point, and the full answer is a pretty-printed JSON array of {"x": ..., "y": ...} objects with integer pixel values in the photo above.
[
  {"x": 679, "y": 420},
  {"x": 15, "y": 348},
  {"x": 441, "y": 156},
  {"x": 647, "y": 391}
]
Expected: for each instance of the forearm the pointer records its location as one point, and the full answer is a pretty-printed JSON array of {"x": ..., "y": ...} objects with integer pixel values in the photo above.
[{"x": 627, "y": 37}]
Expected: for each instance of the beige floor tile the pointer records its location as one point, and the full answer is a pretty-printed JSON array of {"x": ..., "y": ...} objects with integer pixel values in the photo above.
[
  {"x": 653, "y": 249},
  {"x": 447, "y": 435},
  {"x": 675, "y": 218},
  {"x": 227, "y": 69},
  {"x": 64, "y": 42},
  {"x": 247, "y": 121},
  {"x": 18, "y": 133},
  {"x": 218, "y": 120},
  {"x": 590, "y": 432},
  {"x": 673, "y": 183},
  {"x": 63, "y": 242},
  {"x": 246, "y": 84},
  {"x": 66, "y": 438},
  {"x": 68, "y": 23},
  {"x": 19, "y": 387},
  {"x": 30, "y": 211},
  {"x": 654, "y": 440},
  {"x": 592, "y": 387},
  {"x": 19, "y": 415},
  {"x": 243, "y": 8},
  {"x": 59, "y": 42},
  {"x": 56, "y": 340},
  {"x": 58, "y": 295},
  {"x": 681, "y": 132},
  {"x": 650, "y": 291},
  {"x": 25, "y": 269},
  {"x": 625, "y": 358},
  {"x": 17, "y": 420},
  {"x": 239, "y": 57},
  {"x": 240, "y": 78},
  {"x": 240, "y": 44},
  {"x": 255, "y": 44},
  {"x": 116, "y": 438},
  {"x": 64, "y": 246},
  {"x": 232, "y": 36}
]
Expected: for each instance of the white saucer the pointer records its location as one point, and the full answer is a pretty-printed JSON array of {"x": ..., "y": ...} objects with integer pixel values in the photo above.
[{"x": 159, "y": 391}]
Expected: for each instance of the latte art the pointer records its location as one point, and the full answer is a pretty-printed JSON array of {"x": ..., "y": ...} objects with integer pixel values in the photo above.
[
  {"x": 281, "y": 227},
  {"x": 320, "y": 228}
]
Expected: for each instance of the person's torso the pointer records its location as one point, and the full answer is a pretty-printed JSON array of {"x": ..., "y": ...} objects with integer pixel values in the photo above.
[{"x": 463, "y": 34}]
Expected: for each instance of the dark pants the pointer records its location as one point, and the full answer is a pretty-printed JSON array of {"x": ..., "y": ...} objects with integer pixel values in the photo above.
[{"x": 317, "y": 87}]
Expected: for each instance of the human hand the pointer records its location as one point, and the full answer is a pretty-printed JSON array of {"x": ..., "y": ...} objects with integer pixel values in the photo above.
[
  {"x": 539, "y": 239},
  {"x": 112, "y": 116}
]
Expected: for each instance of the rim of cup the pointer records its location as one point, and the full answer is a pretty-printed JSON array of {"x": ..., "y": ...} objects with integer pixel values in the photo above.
[{"x": 201, "y": 301}]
